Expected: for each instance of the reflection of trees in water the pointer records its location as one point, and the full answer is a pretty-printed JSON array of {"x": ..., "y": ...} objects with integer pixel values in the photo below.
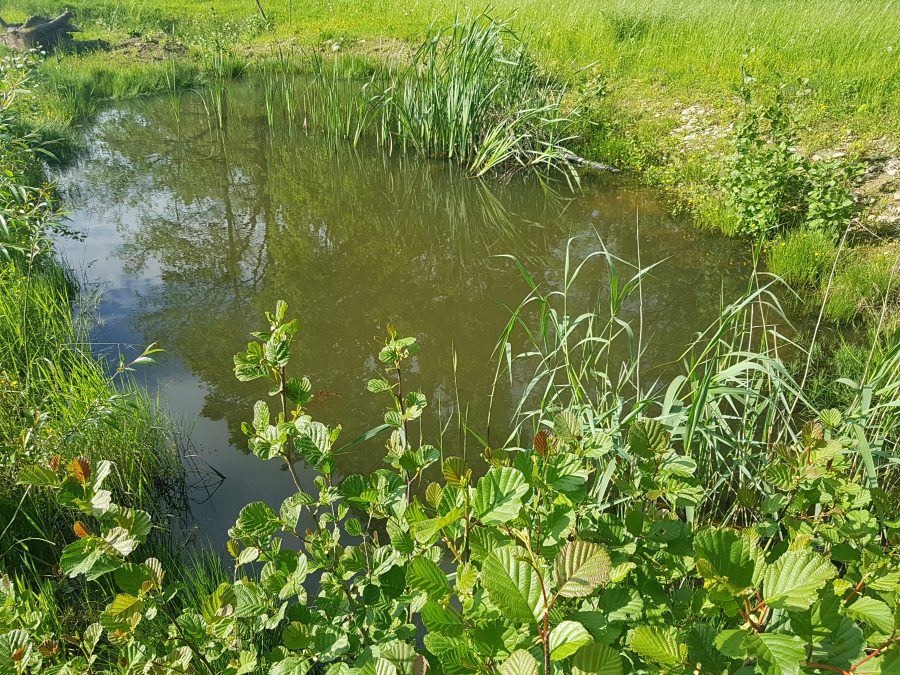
[{"x": 239, "y": 219}]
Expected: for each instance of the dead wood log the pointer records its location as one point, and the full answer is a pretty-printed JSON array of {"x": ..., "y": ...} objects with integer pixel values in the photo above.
[{"x": 38, "y": 31}]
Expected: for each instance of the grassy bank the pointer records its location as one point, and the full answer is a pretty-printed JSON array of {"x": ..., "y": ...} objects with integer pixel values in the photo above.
[{"x": 57, "y": 399}]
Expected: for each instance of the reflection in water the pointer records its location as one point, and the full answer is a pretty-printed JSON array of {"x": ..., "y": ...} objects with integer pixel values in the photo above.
[{"x": 193, "y": 234}]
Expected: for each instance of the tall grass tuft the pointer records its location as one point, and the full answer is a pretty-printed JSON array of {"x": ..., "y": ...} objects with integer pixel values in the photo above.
[
  {"x": 473, "y": 93},
  {"x": 731, "y": 403}
]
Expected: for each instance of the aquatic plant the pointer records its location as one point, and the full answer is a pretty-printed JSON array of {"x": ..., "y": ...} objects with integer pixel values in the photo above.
[{"x": 473, "y": 93}]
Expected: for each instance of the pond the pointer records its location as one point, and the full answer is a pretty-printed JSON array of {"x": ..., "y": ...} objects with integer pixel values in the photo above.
[{"x": 192, "y": 232}]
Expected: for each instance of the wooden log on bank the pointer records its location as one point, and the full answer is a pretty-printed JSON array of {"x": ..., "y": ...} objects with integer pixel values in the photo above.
[{"x": 37, "y": 32}]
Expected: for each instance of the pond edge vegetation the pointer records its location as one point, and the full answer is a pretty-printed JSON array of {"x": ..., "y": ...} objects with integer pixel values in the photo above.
[{"x": 722, "y": 522}]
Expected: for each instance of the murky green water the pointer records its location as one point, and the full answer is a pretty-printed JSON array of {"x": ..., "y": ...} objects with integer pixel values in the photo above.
[{"x": 192, "y": 234}]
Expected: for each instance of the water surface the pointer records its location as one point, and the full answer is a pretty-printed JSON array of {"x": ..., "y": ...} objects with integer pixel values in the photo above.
[{"x": 193, "y": 232}]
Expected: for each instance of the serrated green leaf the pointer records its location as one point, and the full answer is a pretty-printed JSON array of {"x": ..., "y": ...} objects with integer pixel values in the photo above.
[
  {"x": 597, "y": 659},
  {"x": 520, "y": 662},
  {"x": 424, "y": 575},
  {"x": 257, "y": 520},
  {"x": 843, "y": 647},
  {"x": 38, "y": 476},
  {"x": 872, "y": 612},
  {"x": 566, "y": 638},
  {"x": 567, "y": 427},
  {"x": 581, "y": 568},
  {"x": 794, "y": 580},
  {"x": 512, "y": 584},
  {"x": 729, "y": 556},
  {"x": 658, "y": 644},
  {"x": 776, "y": 653},
  {"x": 498, "y": 495}
]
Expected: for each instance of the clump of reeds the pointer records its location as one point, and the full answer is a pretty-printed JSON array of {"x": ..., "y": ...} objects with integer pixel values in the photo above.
[
  {"x": 730, "y": 403},
  {"x": 473, "y": 93}
]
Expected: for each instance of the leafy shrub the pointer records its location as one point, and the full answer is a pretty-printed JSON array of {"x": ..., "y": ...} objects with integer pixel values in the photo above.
[
  {"x": 575, "y": 554},
  {"x": 764, "y": 174},
  {"x": 771, "y": 186}
]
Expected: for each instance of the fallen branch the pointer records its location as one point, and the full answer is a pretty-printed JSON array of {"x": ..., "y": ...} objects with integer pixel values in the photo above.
[{"x": 591, "y": 164}]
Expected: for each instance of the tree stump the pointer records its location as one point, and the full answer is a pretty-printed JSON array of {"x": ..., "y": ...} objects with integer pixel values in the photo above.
[{"x": 38, "y": 31}]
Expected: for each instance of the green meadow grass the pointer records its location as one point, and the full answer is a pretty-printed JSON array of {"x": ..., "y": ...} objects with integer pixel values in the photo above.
[{"x": 846, "y": 54}]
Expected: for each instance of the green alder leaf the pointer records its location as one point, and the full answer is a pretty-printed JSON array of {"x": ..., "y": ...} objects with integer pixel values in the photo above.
[
  {"x": 89, "y": 557},
  {"x": 844, "y": 647},
  {"x": 292, "y": 665},
  {"x": 298, "y": 390},
  {"x": 257, "y": 520},
  {"x": 728, "y": 556},
  {"x": 512, "y": 584},
  {"x": 260, "y": 416},
  {"x": 731, "y": 642},
  {"x": 567, "y": 427},
  {"x": 658, "y": 644},
  {"x": 137, "y": 522},
  {"x": 278, "y": 351},
  {"x": 38, "y": 476},
  {"x": 424, "y": 575},
  {"x": 378, "y": 385},
  {"x": 498, "y": 495},
  {"x": 776, "y": 653},
  {"x": 872, "y": 612},
  {"x": 597, "y": 659},
  {"x": 120, "y": 540},
  {"x": 125, "y": 604},
  {"x": 400, "y": 654},
  {"x": 520, "y": 662},
  {"x": 646, "y": 437},
  {"x": 702, "y": 653},
  {"x": 130, "y": 577},
  {"x": 440, "y": 619},
  {"x": 581, "y": 568},
  {"x": 314, "y": 444},
  {"x": 567, "y": 638},
  {"x": 794, "y": 580}
]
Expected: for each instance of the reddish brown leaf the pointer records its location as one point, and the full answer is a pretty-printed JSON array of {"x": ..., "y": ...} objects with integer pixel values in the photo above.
[
  {"x": 54, "y": 462},
  {"x": 542, "y": 442},
  {"x": 48, "y": 648},
  {"x": 81, "y": 530},
  {"x": 80, "y": 468}
]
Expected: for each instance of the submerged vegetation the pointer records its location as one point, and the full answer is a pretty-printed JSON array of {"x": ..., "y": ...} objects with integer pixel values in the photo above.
[{"x": 709, "y": 516}]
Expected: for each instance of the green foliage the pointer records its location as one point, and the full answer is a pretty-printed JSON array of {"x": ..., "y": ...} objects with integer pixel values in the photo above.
[
  {"x": 57, "y": 401},
  {"x": 802, "y": 258},
  {"x": 770, "y": 185},
  {"x": 477, "y": 577},
  {"x": 474, "y": 94},
  {"x": 865, "y": 285}
]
